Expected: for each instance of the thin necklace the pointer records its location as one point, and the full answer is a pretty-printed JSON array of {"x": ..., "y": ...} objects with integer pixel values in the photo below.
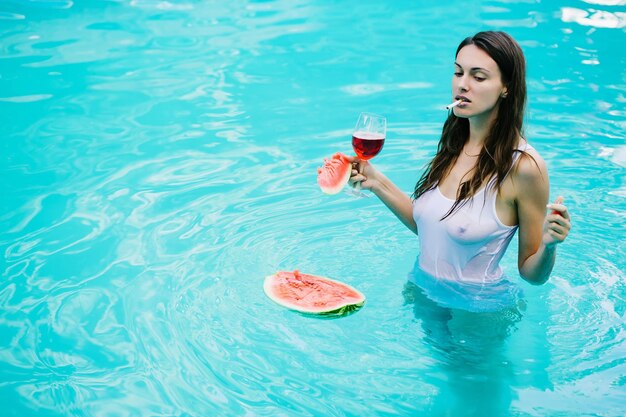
[{"x": 472, "y": 156}]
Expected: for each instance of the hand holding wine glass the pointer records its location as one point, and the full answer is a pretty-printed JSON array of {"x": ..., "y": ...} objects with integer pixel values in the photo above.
[{"x": 368, "y": 138}]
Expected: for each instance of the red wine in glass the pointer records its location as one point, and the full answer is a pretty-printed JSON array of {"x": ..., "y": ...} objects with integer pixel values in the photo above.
[
  {"x": 367, "y": 144},
  {"x": 368, "y": 138}
]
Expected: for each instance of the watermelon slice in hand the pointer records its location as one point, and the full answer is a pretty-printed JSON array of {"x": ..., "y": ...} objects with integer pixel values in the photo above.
[
  {"x": 311, "y": 294},
  {"x": 334, "y": 174}
]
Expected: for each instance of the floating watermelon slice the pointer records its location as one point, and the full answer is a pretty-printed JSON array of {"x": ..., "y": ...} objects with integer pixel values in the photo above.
[
  {"x": 334, "y": 174},
  {"x": 311, "y": 294}
]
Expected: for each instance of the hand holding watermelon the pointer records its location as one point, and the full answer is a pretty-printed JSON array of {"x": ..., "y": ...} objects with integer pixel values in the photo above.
[
  {"x": 340, "y": 169},
  {"x": 362, "y": 172},
  {"x": 334, "y": 174},
  {"x": 368, "y": 138}
]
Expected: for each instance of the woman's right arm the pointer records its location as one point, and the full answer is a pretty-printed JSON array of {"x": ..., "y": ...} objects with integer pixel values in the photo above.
[{"x": 395, "y": 199}]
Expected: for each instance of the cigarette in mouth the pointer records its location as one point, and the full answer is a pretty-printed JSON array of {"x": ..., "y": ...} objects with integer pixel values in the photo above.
[{"x": 456, "y": 103}]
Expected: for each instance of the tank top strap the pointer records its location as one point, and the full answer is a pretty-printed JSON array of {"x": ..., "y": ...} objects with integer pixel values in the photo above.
[
  {"x": 521, "y": 148},
  {"x": 524, "y": 146}
]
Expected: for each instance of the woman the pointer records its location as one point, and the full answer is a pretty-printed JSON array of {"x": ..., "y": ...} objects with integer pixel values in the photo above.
[{"x": 485, "y": 182}]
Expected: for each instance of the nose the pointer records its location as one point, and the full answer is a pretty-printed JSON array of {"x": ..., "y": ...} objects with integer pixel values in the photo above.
[{"x": 462, "y": 84}]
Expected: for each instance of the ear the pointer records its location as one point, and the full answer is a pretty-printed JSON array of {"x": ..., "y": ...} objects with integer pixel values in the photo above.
[{"x": 504, "y": 93}]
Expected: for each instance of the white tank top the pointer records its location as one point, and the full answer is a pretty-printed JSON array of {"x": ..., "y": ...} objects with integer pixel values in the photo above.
[{"x": 468, "y": 245}]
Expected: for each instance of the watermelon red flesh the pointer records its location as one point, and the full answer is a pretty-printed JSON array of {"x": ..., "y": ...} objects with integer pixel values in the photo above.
[
  {"x": 334, "y": 174},
  {"x": 311, "y": 294}
]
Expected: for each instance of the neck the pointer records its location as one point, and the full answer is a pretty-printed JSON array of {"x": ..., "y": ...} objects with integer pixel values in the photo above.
[{"x": 479, "y": 129}]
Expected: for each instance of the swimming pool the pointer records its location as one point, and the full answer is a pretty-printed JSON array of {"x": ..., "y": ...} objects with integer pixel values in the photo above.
[{"x": 158, "y": 161}]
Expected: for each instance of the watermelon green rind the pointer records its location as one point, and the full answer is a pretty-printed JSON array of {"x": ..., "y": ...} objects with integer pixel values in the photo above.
[
  {"x": 348, "y": 302},
  {"x": 334, "y": 174}
]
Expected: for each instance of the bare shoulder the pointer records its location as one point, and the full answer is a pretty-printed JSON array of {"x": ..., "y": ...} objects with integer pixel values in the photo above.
[
  {"x": 530, "y": 169},
  {"x": 530, "y": 180}
]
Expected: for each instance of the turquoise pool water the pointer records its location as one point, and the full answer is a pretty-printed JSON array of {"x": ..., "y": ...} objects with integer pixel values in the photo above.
[{"x": 158, "y": 161}]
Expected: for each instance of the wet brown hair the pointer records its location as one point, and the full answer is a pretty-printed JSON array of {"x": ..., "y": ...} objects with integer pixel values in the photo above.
[{"x": 496, "y": 157}]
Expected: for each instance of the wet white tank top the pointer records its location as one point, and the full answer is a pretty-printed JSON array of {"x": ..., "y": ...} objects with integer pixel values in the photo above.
[{"x": 466, "y": 246}]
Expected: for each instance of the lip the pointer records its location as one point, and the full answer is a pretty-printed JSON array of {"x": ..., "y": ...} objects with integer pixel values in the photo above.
[{"x": 465, "y": 99}]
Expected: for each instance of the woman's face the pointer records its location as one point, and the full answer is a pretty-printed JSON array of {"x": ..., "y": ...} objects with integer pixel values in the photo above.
[{"x": 477, "y": 81}]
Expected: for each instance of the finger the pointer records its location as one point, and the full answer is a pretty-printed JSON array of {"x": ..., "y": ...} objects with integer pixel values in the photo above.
[
  {"x": 558, "y": 219},
  {"x": 558, "y": 209},
  {"x": 557, "y": 202},
  {"x": 557, "y": 236},
  {"x": 558, "y": 205},
  {"x": 559, "y": 230},
  {"x": 357, "y": 178}
]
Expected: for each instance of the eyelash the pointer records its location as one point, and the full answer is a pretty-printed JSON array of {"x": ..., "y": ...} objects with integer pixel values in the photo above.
[{"x": 479, "y": 79}]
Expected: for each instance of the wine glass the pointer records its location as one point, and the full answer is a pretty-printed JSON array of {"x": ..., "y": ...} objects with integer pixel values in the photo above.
[{"x": 368, "y": 139}]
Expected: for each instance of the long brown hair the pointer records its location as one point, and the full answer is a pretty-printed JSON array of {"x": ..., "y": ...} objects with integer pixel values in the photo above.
[{"x": 496, "y": 157}]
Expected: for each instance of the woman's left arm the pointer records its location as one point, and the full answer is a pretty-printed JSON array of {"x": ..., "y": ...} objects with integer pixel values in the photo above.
[{"x": 538, "y": 233}]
